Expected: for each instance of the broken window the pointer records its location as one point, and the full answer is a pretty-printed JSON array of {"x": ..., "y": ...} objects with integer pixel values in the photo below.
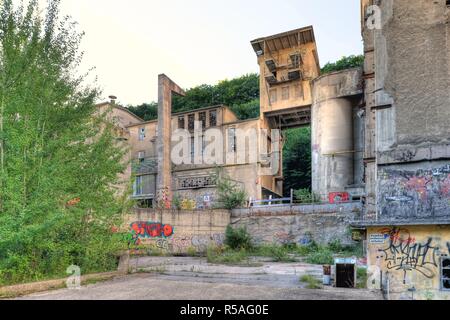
[
  {"x": 137, "y": 188},
  {"x": 273, "y": 95},
  {"x": 295, "y": 61},
  {"x": 192, "y": 149},
  {"x": 142, "y": 134},
  {"x": 232, "y": 140},
  {"x": 141, "y": 156},
  {"x": 213, "y": 118},
  {"x": 181, "y": 122},
  {"x": 191, "y": 122},
  {"x": 202, "y": 119},
  {"x": 445, "y": 274},
  {"x": 285, "y": 93}
]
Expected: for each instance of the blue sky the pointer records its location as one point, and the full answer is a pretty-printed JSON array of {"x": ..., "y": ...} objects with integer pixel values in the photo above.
[{"x": 198, "y": 41}]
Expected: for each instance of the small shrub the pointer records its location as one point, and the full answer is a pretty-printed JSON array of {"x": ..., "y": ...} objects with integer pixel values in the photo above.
[
  {"x": 304, "y": 250},
  {"x": 322, "y": 256},
  {"x": 312, "y": 282},
  {"x": 176, "y": 201},
  {"x": 230, "y": 195},
  {"x": 192, "y": 252},
  {"x": 220, "y": 255},
  {"x": 277, "y": 253},
  {"x": 336, "y": 246},
  {"x": 362, "y": 278},
  {"x": 238, "y": 239},
  {"x": 306, "y": 196}
]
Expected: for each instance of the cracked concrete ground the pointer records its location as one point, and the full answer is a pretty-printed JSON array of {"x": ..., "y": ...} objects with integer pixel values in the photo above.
[{"x": 194, "y": 279}]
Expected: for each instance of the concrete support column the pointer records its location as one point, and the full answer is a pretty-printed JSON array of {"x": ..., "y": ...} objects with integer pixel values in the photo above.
[{"x": 164, "y": 182}]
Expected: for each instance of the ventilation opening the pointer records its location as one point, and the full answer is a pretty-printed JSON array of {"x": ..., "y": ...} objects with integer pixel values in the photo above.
[{"x": 345, "y": 276}]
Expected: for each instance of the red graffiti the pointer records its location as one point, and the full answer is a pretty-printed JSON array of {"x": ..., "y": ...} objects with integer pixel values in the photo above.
[
  {"x": 419, "y": 184},
  {"x": 339, "y": 197},
  {"x": 150, "y": 230},
  {"x": 399, "y": 236}
]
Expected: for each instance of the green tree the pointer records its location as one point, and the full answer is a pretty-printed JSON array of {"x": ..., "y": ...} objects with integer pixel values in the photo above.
[
  {"x": 297, "y": 159},
  {"x": 240, "y": 94},
  {"x": 344, "y": 63},
  {"x": 59, "y": 157},
  {"x": 230, "y": 194}
]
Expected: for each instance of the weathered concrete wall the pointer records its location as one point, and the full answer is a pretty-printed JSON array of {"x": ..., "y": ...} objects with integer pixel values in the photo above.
[
  {"x": 177, "y": 232},
  {"x": 409, "y": 258},
  {"x": 419, "y": 192},
  {"x": 298, "y": 224}
]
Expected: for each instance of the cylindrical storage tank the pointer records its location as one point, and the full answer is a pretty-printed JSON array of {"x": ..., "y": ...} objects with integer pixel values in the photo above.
[{"x": 332, "y": 134}]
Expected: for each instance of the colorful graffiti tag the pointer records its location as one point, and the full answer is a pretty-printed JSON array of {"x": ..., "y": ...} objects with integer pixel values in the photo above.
[
  {"x": 144, "y": 230},
  {"x": 419, "y": 194}
]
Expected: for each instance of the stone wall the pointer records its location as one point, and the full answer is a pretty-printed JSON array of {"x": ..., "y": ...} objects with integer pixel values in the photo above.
[
  {"x": 177, "y": 232},
  {"x": 298, "y": 224}
]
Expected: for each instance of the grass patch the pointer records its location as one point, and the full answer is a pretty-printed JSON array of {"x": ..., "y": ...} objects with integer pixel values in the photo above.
[
  {"x": 362, "y": 278},
  {"x": 221, "y": 255},
  {"x": 311, "y": 282},
  {"x": 277, "y": 253}
]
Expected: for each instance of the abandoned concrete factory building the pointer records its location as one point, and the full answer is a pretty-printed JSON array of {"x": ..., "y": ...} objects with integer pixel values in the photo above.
[{"x": 380, "y": 134}]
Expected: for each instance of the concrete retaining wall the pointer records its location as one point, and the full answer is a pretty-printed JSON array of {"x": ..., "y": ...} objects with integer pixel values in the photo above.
[
  {"x": 298, "y": 224},
  {"x": 177, "y": 232}
]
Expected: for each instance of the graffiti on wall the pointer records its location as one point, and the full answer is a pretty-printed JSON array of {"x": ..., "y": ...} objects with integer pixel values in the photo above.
[
  {"x": 162, "y": 237},
  {"x": 404, "y": 253},
  {"x": 418, "y": 194},
  {"x": 145, "y": 230}
]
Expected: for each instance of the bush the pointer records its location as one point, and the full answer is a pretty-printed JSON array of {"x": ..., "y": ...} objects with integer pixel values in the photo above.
[
  {"x": 306, "y": 196},
  {"x": 277, "y": 253},
  {"x": 238, "y": 239},
  {"x": 362, "y": 277},
  {"x": 221, "y": 255},
  {"x": 312, "y": 283},
  {"x": 231, "y": 196},
  {"x": 322, "y": 256},
  {"x": 336, "y": 246}
]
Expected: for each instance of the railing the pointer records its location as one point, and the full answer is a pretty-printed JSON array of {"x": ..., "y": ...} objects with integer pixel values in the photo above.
[{"x": 273, "y": 201}]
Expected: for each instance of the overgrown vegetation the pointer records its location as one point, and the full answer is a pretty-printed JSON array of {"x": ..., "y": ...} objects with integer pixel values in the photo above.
[
  {"x": 344, "y": 63},
  {"x": 230, "y": 194},
  {"x": 238, "y": 239},
  {"x": 239, "y": 248},
  {"x": 58, "y": 156},
  {"x": 311, "y": 281},
  {"x": 362, "y": 278},
  {"x": 306, "y": 196},
  {"x": 297, "y": 159}
]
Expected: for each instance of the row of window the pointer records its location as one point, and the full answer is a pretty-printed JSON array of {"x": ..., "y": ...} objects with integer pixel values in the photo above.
[
  {"x": 231, "y": 145},
  {"x": 286, "y": 93},
  {"x": 202, "y": 117}
]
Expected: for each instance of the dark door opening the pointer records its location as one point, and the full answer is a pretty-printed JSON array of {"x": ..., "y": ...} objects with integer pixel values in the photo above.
[{"x": 345, "y": 276}]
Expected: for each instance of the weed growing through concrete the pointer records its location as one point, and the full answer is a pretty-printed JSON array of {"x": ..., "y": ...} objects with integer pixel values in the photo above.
[{"x": 311, "y": 282}]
